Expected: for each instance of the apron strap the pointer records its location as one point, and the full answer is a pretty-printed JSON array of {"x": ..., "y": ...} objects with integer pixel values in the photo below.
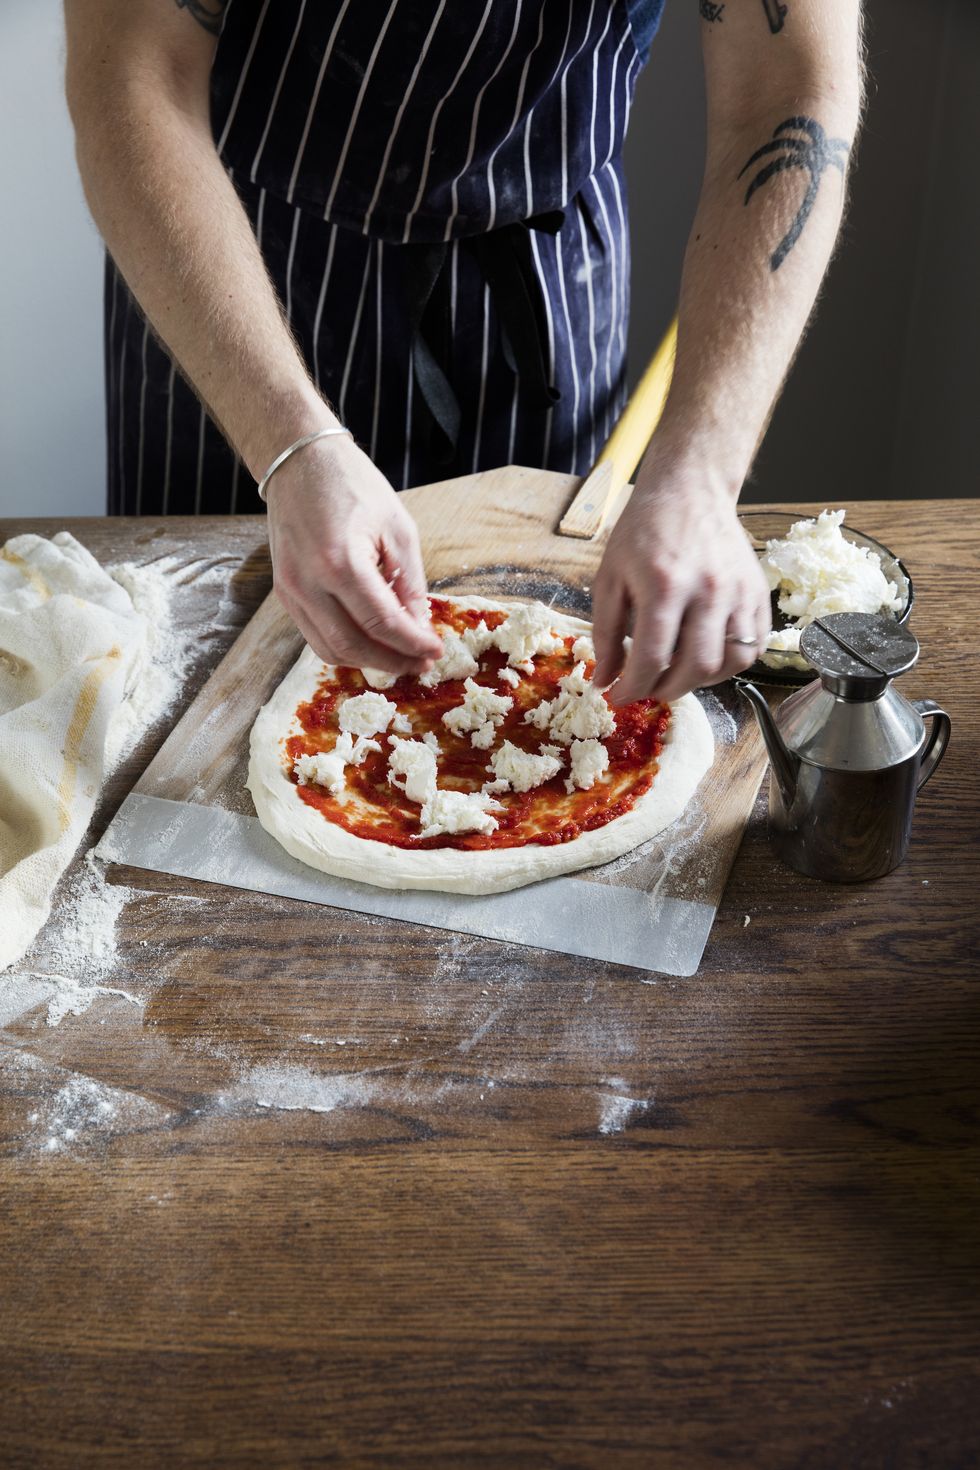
[
  {"x": 508, "y": 268},
  {"x": 505, "y": 260},
  {"x": 423, "y": 267}
]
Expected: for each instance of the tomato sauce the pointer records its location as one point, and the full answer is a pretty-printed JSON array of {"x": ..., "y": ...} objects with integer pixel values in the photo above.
[{"x": 546, "y": 815}]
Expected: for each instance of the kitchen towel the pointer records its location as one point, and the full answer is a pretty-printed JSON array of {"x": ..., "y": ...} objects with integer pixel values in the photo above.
[{"x": 71, "y": 644}]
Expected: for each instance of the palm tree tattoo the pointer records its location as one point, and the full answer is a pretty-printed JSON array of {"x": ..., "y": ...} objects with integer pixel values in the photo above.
[
  {"x": 775, "y": 14},
  {"x": 814, "y": 154}
]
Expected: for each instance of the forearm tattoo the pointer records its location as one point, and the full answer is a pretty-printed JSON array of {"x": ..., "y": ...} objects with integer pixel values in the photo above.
[
  {"x": 207, "y": 13},
  {"x": 814, "y": 153},
  {"x": 709, "y": 10},
  {"x": 775, "y": 14}
]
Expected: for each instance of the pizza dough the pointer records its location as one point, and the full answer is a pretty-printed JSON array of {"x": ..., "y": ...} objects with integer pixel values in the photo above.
[{"x": 304, "y": 832}]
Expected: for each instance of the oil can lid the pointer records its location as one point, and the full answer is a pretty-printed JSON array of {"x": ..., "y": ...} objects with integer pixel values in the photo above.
[{"x": 858, "y": 654}]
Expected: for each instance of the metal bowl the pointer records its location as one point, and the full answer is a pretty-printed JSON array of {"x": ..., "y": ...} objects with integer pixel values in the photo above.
[{"x": 769, "y": 525}]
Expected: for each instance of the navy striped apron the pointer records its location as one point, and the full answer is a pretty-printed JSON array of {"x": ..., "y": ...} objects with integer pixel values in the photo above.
[{"x": 437, "y": 190}]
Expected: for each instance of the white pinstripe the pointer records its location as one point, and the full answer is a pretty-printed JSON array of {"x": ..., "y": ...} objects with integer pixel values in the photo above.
[
  {"x": 319, "y": 305},
  {"x": 621, "y": 332},
  {"x": 407, "y": 461},
  {"x": 513, "y": 122},
  {"x": 365, "y": 80},
  {"x": 241, "y": 79},
  {"x": 612, "y": 103},
  {"x": 401, "y": 112},
  {"x": 342, "y": 400},
  {"x": 546, "y": 298},
  {"x": 595, "y": 90},
  {"x": 528, "y": 181},
  {"x": 377, "y": 353},
  {"x": 139, "y": 461},
  {"x": 275, "y": 96},
  {"x": 564, "y": 107},
  {"x": 427, "y": 154},
  {"x": 587, "y": 267},
  {"x": 613, "y": 261},
  {"x": 324, "y": 62},
  {"x": 454, "y": 188},
  {"x": 289, "y": 266},
  {"x": 168, "y": 454},
  {"x": 571, "y": 348},
  {"x": 200, "y": 464},
  {"x": 483, "y": 376},
  {"x": 453, "y": 282},
  {"x": 513, "y": 420}
]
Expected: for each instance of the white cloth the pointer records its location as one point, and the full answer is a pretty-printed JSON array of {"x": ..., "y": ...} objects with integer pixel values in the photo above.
[{"x": 70, "y": 642}]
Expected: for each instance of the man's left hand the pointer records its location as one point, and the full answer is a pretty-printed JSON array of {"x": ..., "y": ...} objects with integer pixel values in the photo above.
[{"x": 679, "y": 573}]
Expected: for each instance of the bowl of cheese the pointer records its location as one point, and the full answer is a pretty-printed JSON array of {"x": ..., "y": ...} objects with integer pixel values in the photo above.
[{"x": 816, "y": 566}]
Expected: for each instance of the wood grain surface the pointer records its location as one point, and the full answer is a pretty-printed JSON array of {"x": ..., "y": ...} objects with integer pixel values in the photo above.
[{"x": 343, "y": 1192}]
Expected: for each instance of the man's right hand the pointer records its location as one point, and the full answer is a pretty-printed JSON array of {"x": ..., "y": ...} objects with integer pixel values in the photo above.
[{"x": 347, "y": 562}]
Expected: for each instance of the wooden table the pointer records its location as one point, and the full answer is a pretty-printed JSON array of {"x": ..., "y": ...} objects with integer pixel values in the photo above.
[{"x": 557, "y": 1213}]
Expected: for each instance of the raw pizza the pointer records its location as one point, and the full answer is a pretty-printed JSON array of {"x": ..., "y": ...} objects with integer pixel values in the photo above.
[{"x": 502, "y": 765}]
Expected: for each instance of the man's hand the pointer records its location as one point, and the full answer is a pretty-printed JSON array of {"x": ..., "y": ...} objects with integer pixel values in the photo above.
[
  {"x": 347, "y": 563},
  {"x": 681, "y": 573}
]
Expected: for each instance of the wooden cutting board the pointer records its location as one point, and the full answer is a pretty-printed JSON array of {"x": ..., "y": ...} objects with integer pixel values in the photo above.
[{"x": 492, "y": 533}]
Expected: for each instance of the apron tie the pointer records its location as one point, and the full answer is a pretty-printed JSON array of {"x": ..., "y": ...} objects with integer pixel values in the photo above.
[{"x": 506, "y": 263}]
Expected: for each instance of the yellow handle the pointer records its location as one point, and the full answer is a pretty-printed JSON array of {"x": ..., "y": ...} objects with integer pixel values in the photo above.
[{"x": 625, "y": 446}]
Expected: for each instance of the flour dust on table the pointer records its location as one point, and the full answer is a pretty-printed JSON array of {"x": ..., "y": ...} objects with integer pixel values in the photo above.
[{"x": 502, "y": 765}]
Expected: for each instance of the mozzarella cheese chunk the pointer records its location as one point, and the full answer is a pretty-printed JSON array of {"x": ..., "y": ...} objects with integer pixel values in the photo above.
[
  {"x": 510, "y": 676},
  {"x": 366, "y": 714},
  {"x": 455, "y": 662},
  {"x": 458, "y": 811},
  {"x": 401, "y": 724},
  {"x": 782, "y": 650},
  {"x": 817, "y": 572},
  {"x": 583, "y": 649},
  {"x": 432, "y": 741},
  {"x": 526, "y": 632},
  {"x": 414, "y": 762},
  {"x": 478, "y": 639},
  {"x": 579, "y": 711},
  {"x": 483, "y": 738},
  {"x": 520, "y": 769},
  {"x": 327, "y": 768},
  {"x": 590, "y": 761},
  {"x": 380, "y": 678},
  {"x": 481, "y": 711},
  {"x": 784, "y": 640}
]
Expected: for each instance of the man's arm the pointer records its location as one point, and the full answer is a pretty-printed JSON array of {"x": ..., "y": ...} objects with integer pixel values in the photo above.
[
  {"x": 784, "y": 92},
  {"x": 138, "y": 91}
]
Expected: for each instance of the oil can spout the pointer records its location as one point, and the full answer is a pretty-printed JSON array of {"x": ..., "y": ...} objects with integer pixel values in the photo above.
[{"x": 785, "y": 765}]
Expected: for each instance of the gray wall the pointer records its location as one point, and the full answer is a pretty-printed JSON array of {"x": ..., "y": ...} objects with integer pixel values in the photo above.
[
  {"x": 880, "y": 403},
  {"x": 52, "y": 455}
]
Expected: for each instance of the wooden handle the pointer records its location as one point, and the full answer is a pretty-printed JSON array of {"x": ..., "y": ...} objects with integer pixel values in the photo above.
[{"x": 624, "y": 449}]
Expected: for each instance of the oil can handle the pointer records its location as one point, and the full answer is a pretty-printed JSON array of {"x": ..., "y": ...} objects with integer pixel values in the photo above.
[{"x": 935, "y": 747}]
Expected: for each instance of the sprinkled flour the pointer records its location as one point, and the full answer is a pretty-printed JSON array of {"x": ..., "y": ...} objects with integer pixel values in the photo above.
[
  {"x": 85, "y": 1112},
  {"x": 616, "y": 1109},
  {"x": 295, "y": 1089},
  {"x": 79, "y": 952},
  {"x": 170, "y": 652},
  {"x": 157, "y": 675}
]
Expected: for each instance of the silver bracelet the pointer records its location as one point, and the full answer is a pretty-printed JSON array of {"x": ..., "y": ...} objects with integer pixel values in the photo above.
[{"x": 280, "y": 459}]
